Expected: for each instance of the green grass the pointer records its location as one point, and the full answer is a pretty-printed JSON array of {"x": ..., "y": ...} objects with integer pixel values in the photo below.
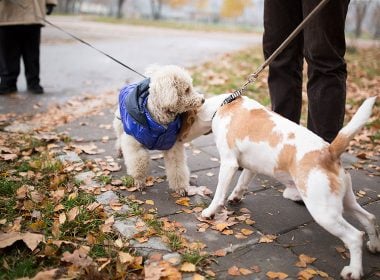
[
  {"x": 198, "y": 26},
  {"x": 194, "y": 257},
  {"x": 19, "y": 260},
  {"x": 174, "y": 241}
]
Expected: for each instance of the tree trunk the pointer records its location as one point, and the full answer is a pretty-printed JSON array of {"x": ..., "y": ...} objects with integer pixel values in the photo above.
[
  {"x": 156, "y": 6},
  {"x": 376, "y": 22},
  {"x": 119, "y": 12},
  {"x": 361, "y": 8}
]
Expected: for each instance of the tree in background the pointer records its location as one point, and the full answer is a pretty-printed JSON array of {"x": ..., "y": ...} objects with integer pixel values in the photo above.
[
  {"x": 156, "y": 6},
  {"x": 376, "y": 21},
  {"x": 234, "y": 8},
  {"x": 360, "y": 11},
  {"x": 119, "y": 9}
]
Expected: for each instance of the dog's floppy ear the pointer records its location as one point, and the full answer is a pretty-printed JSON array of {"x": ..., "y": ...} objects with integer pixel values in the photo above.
[
  {"x": 151, "y": 69},
  {"x": 187, "y": 120}
]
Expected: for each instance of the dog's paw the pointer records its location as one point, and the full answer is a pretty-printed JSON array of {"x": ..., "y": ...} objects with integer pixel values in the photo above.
[
  {"x": 350, "y": 273},
  {"x": 232, "y": 199},
  {"x": 374, "y": 247},
  {"x": 292, "y": 194},
  {"x": 181, "y": 191},
  {"x": 208, "y": 213}
]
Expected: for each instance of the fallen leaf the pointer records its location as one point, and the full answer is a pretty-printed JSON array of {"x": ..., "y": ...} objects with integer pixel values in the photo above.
[
  {"x": 220, "y": 253},
  {"x": 202, "y": 191},
  {"x": 234, "y": 271},
  {"x": 73, "y": 213},
  {"x": 187, "y": 267},
  {"x": 184, "y": 201},
  {"x": 246, "y": 232},
  {"x": 276, "y": 275},
  {"x": 125, "y": 257},
  {"x": 46, "y": 275},
  {"x": 149, "y": 202},
  {"x": 245, "y": 271},
  {"x": 268, "y": 238},
  {"x": 197, "y": 276},
  {"x": 30, "y": 239},
  {"x": 304, "y": 260}
]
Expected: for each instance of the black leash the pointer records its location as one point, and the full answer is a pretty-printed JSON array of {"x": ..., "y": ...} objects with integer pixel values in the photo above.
[
  {"x": 91, "y": 46},
  {"x": 253, "y": 77}
]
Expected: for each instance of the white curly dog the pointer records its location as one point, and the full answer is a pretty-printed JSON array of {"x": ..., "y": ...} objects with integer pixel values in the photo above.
[{"x": 171, "y": 94}]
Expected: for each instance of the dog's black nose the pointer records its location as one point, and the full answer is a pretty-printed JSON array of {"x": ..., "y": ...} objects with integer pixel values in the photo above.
[{"x": 203, "y": 100}]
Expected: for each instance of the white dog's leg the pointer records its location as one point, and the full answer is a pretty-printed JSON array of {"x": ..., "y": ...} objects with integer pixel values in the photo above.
[
  {"x": 119, "y": 131},
  {"x": 241, "y": 188},
  {"x": 226, "y": 172},
  {"x": 327, "y": 210},
  {"x": 367, "y": 219},
  {"x": 136, "y": 159},
  {"x": 176, "y": 168}
]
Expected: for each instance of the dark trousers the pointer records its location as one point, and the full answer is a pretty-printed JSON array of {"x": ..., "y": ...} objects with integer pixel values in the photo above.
[
  {"x": 16, "y": 42},
  {"x": 322, "y": 44}
]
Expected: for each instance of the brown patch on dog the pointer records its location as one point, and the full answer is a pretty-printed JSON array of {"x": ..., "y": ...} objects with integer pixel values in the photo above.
[
  {"x": 254, "y": 124},
  {"x": 286, "y": 159},
  {"x": 187, "y": 120},
  {"x": 323, "y": 160}
]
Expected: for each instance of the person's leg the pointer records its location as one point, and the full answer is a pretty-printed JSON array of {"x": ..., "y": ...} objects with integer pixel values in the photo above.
[
  {"x": 324, "y": 51},
  {"x": 10, "y": 53},
  {"x": 285, "y": 72},
  {"x": 31, "y": 56}
]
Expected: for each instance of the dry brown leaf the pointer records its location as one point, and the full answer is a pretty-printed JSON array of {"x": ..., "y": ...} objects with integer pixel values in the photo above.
[
  {"x": 187, "y": 267},
  {"x": 197, "y": 276},
  {"x": 78, "y": 257},
  {"x": 268, "y": 238},
  {"x": 149, "y": 202},
  {"x": 304, "y": 260},
  {"x": 220, "y": 253},
  {"x": 306, "y": 274},
  {"x": 125, "y": 257},
  {"x": 276, "y": 275},
  {"x": 246, "y": 231},
  {"x": 30, "y": 239},
  {"x": 73, "y": 213},
  {"x": 46, "y": 275},
  {"x": 234, "y": 271},
  {"x": 153, "y": 271},
  {"x": 245, "y": 271}
]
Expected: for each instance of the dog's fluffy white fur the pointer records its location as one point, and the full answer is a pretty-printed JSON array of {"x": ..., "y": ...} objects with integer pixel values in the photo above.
[
  {"x": 171, "y": 93},
  {"x": 255, "y": 138}
]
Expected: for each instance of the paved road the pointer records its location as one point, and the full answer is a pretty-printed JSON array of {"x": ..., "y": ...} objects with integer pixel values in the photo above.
[{"x": 69, "y": 68}]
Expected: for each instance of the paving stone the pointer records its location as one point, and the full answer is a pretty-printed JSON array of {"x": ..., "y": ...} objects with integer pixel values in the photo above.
[
  {"x": 107, "y": 197},
  {"x": 316, "y": 242},
  {"x": 70, "y": 157},
  {"x": 19, "y": 128},
  {"x": 124, "y": 210},
  {"x": 91, "y": 128},
  {"x": 204, "y": 141},
  {"x": 274, "y": 214},
  {"x": 362, "y": 182},
  {"x": 173, "y": 258},
  {"x": 127, "y": 227},
  {"x": 269, "y": 257},
  {"x": 213, "y": 239},
  {"x": 153, "y": 245}
]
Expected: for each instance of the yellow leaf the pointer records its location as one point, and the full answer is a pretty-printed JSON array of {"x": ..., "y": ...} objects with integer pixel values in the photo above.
[
  {"x": 149, "y": 202},
  {"x": 221, "y": 226},
  {"x": 187, "y": 267},
  {"x": 276, "y": 275},
  {"x": 184, "y": 201},
  {"x": 306, "y": 274},
  {"x": 59, "y": 207},
  {"x": 234, "y": 271},
  {"x": 246, "y": 231},
  {"x": 304, "y": 260},
  {"x": 228, "y": 232},
  {"x": 267, "y": 238}
]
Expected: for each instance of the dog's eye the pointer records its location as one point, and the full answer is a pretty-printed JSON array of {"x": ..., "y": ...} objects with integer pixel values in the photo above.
[{"x": 187, "y": 90}]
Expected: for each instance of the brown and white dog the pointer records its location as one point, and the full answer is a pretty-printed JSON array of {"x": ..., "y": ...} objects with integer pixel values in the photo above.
[{"x": 259, "y": 140}]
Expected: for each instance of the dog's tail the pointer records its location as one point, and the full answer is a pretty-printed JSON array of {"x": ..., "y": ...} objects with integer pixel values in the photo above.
[{"x": 341, "y": 141}]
